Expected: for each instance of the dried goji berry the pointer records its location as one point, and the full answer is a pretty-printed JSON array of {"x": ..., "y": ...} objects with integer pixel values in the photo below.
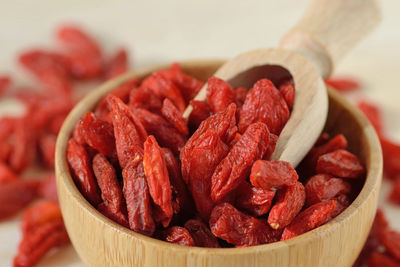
[
  {"x": 188, "y": 85},
  {"x": 24, "y": 146},
  {"x": 128, "y": 131},
  {"x": 47, "y": 146},
  {"x": 98, "y": 134},
  {"x": 174, "y": 117},
  {"x": 219, "y": 94},
  {"x": 373, "y": 114},
  {"x": 322, "y": 139},
  {"x": 290, "y": 201},
  {"x": 240, "y": 96},
  {"x": 287, "y": 90},
  {"x": 256, "y": 201},
  {"x": 201, "y": 235},
  {"x": 342, "y": 202},
  {"x": 201, "y": 111},
  {"x": 83, "y": 53},
  {"x": 378, "y": 259},
  {"x": 6, "y": 174},
  {"x": 165, "y": 88},
  {"x": 309, "y": 219},
  {"x": 264, "y": 103},
  {"x": 137, "y": 198},
  {"x": 48, "y": 188},
  {"x": 181, "y": 200},
  {"x": 236, "y": 166},
  {"x": 38, "y": 215},
  {"x": 164, "y": 132},
  {"x": 273, "y": 139},
  {"x": 37, "y": 243},
  {"x": 155, "y": 169},
  {"x": 16, "y": 195},
  {"x": 272, "y": 174},
  {"x": 80, "y": 166},
  {"x": 198, "y": 164},
  {"x": 142, "y": 97},
  {"x": 391, "y": 158},
  {"x": 51, "y": 69},
  {"x": 237, "y": 228},
  {"x": 117, "y": 65},
  {"x": 115, "y": 215},
  {"x": 344, "y": 84},
  {"x": 55, "y": 123},
  {"x": 391, "y": 241},
  {"x": 340, "y": 163},
  {"x": 337, "y": 142},
  {"x": 5, "y": 82},
  {"x": 177, "y": 235},
  {"x": 122, "y": 92},
  {"x": 322, "y": 187},
  {"x": 107, "y": 180}
]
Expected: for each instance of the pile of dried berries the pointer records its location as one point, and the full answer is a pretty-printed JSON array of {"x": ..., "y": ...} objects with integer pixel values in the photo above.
[
  {"x": 383, "y": 244},
  {"x": 116, "y": 176},
  {"x": 27, "y": 143},
  {"x": 207, "y": 181}
]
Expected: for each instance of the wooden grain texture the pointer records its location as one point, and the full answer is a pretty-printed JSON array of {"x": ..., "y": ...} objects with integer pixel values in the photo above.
[
  {"x": 101, "y": 242},
  {"x": 329, "y": 29}
]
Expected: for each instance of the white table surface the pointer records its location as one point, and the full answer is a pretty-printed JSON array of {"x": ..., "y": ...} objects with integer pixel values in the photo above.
[{"x": 164, "y": 31}]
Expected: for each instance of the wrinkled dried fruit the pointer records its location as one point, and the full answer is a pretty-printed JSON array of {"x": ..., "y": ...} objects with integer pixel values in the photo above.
[
  {"x": 37, "y": 243},
  {"x": 81, "y": 170},
  {"x": 128, "y": 131},
  {"x": 201, "y": 235},
  {"x": 177, "y": 235},
  {"x": 174, "y": 117},
  {"x": 239, "y": 229},
  {"x": 346, "y": 84},
  {"x": 264, "y": 103},
  {"x": 107, "y": 180},
  {"x": 165, "y": 88},
  {"x": 219, "y": 94},
  {"x": 201, "y": 111},
  {"x": 340, "y": 163},
  {"x": 98, "y": 134},
  {"x": 236, "y": 166},
  {"x": 16, "y": 195},
  {"x": 289, "y": 202},
  {"x": 273, "y": 174},
  {"x": 273, "y": 139},
  {"x": 5, "y": 82},
  {"x": 394, "y": 196},
  {"x": 47, "y": 146},
  {"x": 373, "y": 114},
  {"x": 188, "y": 85},
  {"x": 164, "y": 132},
  {"x": 48, "y": 188},
  {"x": 288, "y": 92},
  {"x": 115, "y": 215},
  {"x": 141, "y": 97},
  {"x": 309, "y": 219},
  {"x": 84, "y": 54},
  {"x": 391, "y": 158},
  {"x": 155, "y": 169},
  {"x": 256, "y": 201},
  {"x": 322, "y": 187},
  {"x": 38, "y": 215},
  {"x": 137, "y": 196},
  {"x": 117, "y": 65}
]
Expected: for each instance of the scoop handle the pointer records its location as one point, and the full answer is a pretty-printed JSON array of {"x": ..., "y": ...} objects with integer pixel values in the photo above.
[{"x": 329, "y": 29}]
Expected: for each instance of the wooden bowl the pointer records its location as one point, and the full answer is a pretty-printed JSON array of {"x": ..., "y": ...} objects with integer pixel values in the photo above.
[{"x": 101, "y": 242}]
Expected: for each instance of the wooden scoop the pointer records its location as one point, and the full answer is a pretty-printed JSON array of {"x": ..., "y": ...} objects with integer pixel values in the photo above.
[{"x": 308, "y": 53}]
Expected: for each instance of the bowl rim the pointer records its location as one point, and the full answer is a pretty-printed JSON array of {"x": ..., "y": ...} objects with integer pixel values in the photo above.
[{"x": 372, "y": 182}]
